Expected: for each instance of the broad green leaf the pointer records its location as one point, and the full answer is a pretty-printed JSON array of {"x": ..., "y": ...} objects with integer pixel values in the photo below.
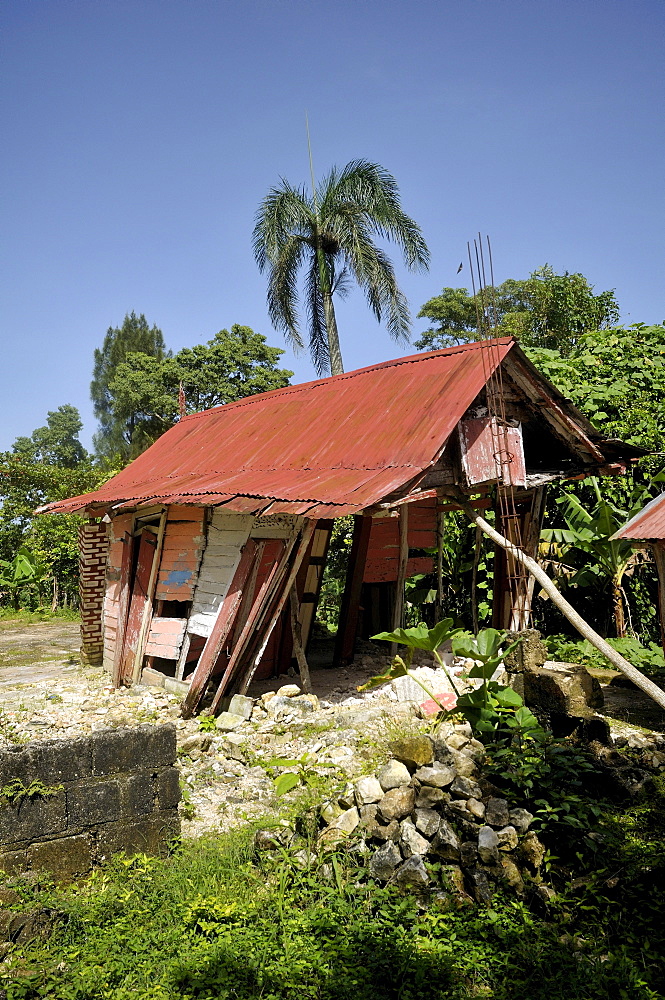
[
  {"x": 396, "y": 669},
  {"x": 286, "y": 782},
  {"x": 507, "y": 698}
]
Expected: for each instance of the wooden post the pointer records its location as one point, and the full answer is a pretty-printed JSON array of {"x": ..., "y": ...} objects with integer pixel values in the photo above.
[
  {"x": 123, "y": 606},
  {"x": 348, "y": 616},
  {"x": 296, "y": 630},
  {"x": 398, "y": 607},
  {"x": 137, "y": 603},
  {"x": 147, "y": 610},
  {"x": 513, "y": 585}
]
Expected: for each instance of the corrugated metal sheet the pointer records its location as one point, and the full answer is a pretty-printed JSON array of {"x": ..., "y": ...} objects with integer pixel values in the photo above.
[
  {"x": 337, "y": 445},
  {"x": 648, "y": 525}
]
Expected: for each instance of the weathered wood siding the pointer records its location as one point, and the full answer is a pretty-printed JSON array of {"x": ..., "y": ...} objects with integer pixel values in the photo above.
[
  {"x": 181, "y": 554},
  {"x": 165, "y": 638},
  {"x": 227, "y": 533},
  {"x": 383, "y": 553},
  {"x": 117, "y": 528}
]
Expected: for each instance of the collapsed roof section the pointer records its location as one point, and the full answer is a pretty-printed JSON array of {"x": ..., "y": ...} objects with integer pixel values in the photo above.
[{"x": 340, "y": 445}]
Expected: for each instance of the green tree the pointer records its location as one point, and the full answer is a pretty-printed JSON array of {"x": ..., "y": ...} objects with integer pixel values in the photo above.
[
  {"x": 546, "y": 310},
  {"x": 230, "y": 366},
  {"x": 331, "y": 234},
  {"x": 57, "y": 443},
  {"x": 124, "y": 437}
]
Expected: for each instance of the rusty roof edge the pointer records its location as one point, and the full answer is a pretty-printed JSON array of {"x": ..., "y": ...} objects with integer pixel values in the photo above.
[{"x": 623, "y": 534}]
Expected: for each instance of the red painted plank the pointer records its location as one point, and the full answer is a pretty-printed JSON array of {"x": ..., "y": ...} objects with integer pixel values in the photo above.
[{"x": 147, "y": 551}]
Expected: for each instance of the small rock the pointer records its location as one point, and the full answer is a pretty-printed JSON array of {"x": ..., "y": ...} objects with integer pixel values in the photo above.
[
  {"x": 412, "y": 874},
  {"x": 465, "y": 788},
  {"x": 427, "y": 821},
  {"x": 457, "y": 741},
  {"x": 226, "y": 721},
  {"x": 397, "y": 803},
  {"x": 497, "y": 812},
  {"x": 454, "y": 879},
  {"x": 463, "y": 764},
  {"x": 510, "y": 874},
  {"x": 468, "y": 854},
  {"x": 446, "y": 842},
  {"x": 438, "y": 776},
  {"x": 367, "y": 815},
  {"x": 413, "y": 751},
  {"x": 389, "y": 831},
  {"x": 288, "y": 691},
  {"x": 476, "y": 808},
  {"x": 341, "y": 827},
  {"x": 393, "y": 774},
  {"x": 385, "y": 861},
  {"x": 532, "y": 851},
  {"x": 265, "y": 698},
  {"x": 268, "y": 840},
  {"x": 368, "y": 790},
  {"x": 241, "y": 705},
  {"x": 479, "y": 885},
  {"x": 429, "y": 797},
  {"x": 521, "y": 819},
  {"x": 411, "y": 841},
  {"x": 507, "y": 838},
  {"x": 330, "y": 811},
  {"x": 488, "y": 845},
  {"x": 348, "y": 796},
  {"x": 308, "y": 702},
  {"x": 197, "y": 741},
  {"x": 458, "y": 806}
]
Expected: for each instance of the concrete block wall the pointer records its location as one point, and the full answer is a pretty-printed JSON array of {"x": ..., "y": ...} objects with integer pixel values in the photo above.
[
  {"x": 93, "y": 553},
  {"x": 119, "y": 792}
]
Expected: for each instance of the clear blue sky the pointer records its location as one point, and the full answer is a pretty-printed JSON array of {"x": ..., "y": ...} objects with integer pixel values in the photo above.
[{"x": 139, "y": 137}]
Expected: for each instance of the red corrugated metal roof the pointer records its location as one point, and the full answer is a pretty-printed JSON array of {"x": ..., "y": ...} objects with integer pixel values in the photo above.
[
  {"x": 323, "y": 448},
  {"x": 648, "y": 525}
]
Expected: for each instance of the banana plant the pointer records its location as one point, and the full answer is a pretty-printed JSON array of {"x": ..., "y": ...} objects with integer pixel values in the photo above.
[{"x": 22, "y": 571}]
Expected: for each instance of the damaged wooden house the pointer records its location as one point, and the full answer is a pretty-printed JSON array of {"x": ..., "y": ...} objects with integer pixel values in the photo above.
[{"x": 203, "y": 559}]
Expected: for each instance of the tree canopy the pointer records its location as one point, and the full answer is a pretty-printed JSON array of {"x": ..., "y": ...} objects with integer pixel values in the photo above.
[
  {"x": 127, "y": 436},
  {"x": 545, "y": 310},
  {"x": 57, "y": 443},
  {"x": 232, "y": 365},
  {"x": 331, "y": 235}
]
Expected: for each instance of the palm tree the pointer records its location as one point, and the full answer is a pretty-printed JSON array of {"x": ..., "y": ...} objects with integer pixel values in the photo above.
[{"x": 332, "y": 235}]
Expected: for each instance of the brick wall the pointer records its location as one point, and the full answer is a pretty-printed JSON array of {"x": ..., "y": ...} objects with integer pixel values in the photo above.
[
  {"x": 120, "y": 792},
  {"x": 93, "y": 552}
]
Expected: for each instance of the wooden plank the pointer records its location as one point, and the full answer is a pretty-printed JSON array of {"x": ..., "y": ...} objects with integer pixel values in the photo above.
[
  {"x": 123, "y": 606},
  {"x": 348, "y": 617},
  {"x": 182, "y": 659},
  {"x": 147, "y": 547},
  {"x": 147, "y": 608},
  {"x": 220, "y": 631},
  {"x": 398, "y": 611},
  {"x": 296, "y": 631}
]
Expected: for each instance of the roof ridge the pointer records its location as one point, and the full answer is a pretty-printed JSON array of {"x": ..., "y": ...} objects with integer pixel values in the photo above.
[{"x": 393, "y": 362}]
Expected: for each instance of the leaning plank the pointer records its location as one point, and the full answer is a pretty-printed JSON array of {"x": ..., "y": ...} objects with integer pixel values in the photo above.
[
  {"x": 220, "y": 631},
  {"x": 585, "y": 630},
  {"x": 123, "y": 605},
  {"x": 147, "y": 610},
  {"x": 144, "y": 564},
  {"x": 296, "y": 631}
]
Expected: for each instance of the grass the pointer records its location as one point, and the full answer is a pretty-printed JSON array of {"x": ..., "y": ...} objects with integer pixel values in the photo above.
[{"x": 10, "y": 617}]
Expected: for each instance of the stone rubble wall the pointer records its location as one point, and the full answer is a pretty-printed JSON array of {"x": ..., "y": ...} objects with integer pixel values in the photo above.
[
  {"x": 93, "y": 553},
  {"x": 116, "y": 790}
]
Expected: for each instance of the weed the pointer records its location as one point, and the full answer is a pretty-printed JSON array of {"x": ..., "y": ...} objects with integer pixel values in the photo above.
[{"x": 14, "y": 792}]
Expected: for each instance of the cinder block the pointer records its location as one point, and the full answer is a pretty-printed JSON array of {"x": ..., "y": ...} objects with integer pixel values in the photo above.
[
  {"x": 14, "y": 862},
  {"x": 159, "y": 745},
  {"x": 18, "y": 762},
  {"x": 116, "y": 751},
  {"x": 168, "y": 788},
  {"x": 32, "y": 818},
  {"x": 63, "y": 760},
  {"x": 153, "y": 835},
  {"x": 65, "y": 857},
  {"x": 92, "y": 802},
  {"x": 138, "y": 796}
]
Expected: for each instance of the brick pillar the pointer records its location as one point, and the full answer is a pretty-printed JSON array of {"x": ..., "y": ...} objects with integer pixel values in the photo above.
[{"x": 93, "y": 550}]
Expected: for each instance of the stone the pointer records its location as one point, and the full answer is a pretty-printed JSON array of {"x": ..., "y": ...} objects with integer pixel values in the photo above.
[
  {"x": 288, "y": 691},
  {"x": 93, "y": 802},
  {"x": 427, "y": 821},
  {"x": 429, "y": 797},
  {"x": 529, "y": 655},
  {"x": 532, "y": 851},
  {"x": 197, "y": 741},
  {"x": 269, "y": 840},
  {"x": 307, "y": 703},
  {"x": 439, "y": 776},
  {"x": 241, "y": 705},
  {"x": 476, "y": 808},
  {"x": 521, "y": 819},
  {"x": 453, "y": 877},
  {"x": 446, "y": 843},
  {"x": 464, "y": 765},
  {"x": 468, "y": 854},
  {"x": 348, "y": 796},
  {"x": 475, "y": 750},
  {"x": 31, "y": 818},
  {"x": 152, "y": 835},
  {"x": 64, "y": 858},
  {"x": 385, "y": 861},
  {"x": 507, "y": 838},
  {"x": 330, "y": 811},
  {"x": 458, "y": 807},
  {"x": 479, "y": 885},
  {"x": 413, "y": 751},
  {"x": 227, "y": 721},
  {"x": 412, "y": 875},
  {"x": 497, "y": 812},
  {"x": 367, "y": 791},
  {"x": 397, "y": 803},
  {"x": 387, "y": 831},
  {"x": 562, "y": 688},
  {"x": 488, "y": 845},
  {"x": 347, "y": 821},
  {"x": 137, "y": 794},
  {"x": 168, "y": 788},
  {"x": 457, "y": 741},
  {"x": 266, "y": 696},
  {"x": 367, "y": 815},
  {"x": 393, "y": 774},
  {"x": 408, "y": 690},
  {"x": 465, "y": 788},
  {"x": 411, "y": 841},
  {"x": 509, "y": 873},
  {"x": 173, "y": 686}
]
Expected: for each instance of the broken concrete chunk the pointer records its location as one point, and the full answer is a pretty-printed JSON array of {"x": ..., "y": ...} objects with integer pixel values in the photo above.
[
  {"x": 241, "y": 705},
  {"x": 497, "y": 812},
  {"x": 468, "y": 853},
  {"x": 330, "y": 811},
  {"x": 488, "y": 845},
  {"x": 479, "y": 885},
  {"x": 427, "y": 821},
  {"x": 521, "y": 819},
  {"x": 411, "y": 841},
  {"x": 368, "y": 790},
  {"x": 412, "y": 874},
  {"x": 465, "y": 788},
  {"x": 562, "y": 688},
  {"x": 397, "y": 803},
  {"x": 446, "y": 842},
  {"x": 413, "y": 751},
  {"x": 289, "y": 691},
  {"x": 227, "y": 721},
  {"x": 439, "y": 776},
  {"x": 507, "y": 838},
  {"x": 393, "y": 774},
  {"x": 385, "y": 861}
]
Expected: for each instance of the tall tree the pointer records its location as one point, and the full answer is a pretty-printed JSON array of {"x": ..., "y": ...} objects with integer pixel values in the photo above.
[
  {"x": 121, "y": 437},
  {"x": 331, "y": 234},
  {"x": 57, "y": 443},
  {"x": 230, "y": 366},
  {"x": 546, "y": 310}
]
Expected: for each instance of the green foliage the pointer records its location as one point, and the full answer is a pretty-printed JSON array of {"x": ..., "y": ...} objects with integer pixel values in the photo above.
[
  {"x": 20, "y": 573},
  {"x": 208, "y": 724},
  {"x": 334, "y": 574},
  {"x": 14, "y": 792},
  {"x": 330, "y": 234},
  {"x": 421, "y": 637},
  {"x": 547, "y": 310},
  {"x": 57, "y": 443},
  {"x": 145, "y": 388},
  {"x": 646, "y": 657},
  {"x": 123, "y": 437},
  {"x": 302, "y": 770}
]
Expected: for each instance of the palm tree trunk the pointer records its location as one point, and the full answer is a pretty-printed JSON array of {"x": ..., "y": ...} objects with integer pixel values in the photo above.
[{"x": 336, "y": 366}]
